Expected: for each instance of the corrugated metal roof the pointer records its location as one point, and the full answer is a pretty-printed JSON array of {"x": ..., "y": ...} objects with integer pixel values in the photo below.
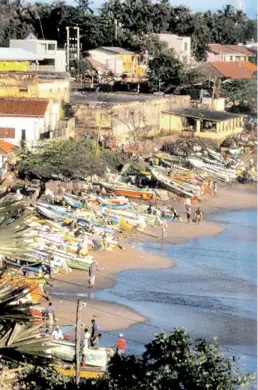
[
  {"x": 204, "y": 114},
  {"x": 117, "y": 50},
  {"x": 17, "y": 54}
]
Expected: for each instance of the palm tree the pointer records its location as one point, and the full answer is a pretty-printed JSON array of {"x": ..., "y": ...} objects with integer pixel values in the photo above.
[{"x": 18, "y": 335}]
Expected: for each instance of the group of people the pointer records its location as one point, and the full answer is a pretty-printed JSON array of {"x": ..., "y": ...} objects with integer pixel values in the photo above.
[
  {"x": 91, "y": 340},
  {"x": 198, "y": 215}
]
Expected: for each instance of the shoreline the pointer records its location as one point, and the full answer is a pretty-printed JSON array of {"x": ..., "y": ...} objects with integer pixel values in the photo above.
[{"x": 113, "y": 316}]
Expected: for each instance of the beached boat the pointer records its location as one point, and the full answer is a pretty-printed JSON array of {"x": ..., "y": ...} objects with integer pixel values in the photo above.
[
  {"x": 72, "y": 202},
  {"x": 47, "y": 213},
  {"x": 131, "y": 192},
  {"x": 170, "y": 185}
]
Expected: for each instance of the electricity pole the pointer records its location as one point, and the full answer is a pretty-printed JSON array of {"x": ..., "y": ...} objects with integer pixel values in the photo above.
[
  {"x": 68, "y": 47},
  {"x": 78, "y": 339}
]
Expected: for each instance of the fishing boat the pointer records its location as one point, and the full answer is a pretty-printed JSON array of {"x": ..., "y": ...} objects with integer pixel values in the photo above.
[
  {"x": 47, "y": 213},
  {"x": 167, "y": 183},
  {"x": 131, "y": 192},
  {"x": 82, "y": 263},
  {"x": 72, "y": 202},
  {"x": 65, "y": 350}
]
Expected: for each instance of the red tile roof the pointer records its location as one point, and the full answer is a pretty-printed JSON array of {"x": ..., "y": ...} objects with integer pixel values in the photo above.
[
  {"x": 7, "y": 132},
  {"x": 6, "y": 147},
  {"x": 229, "y": 49},
  {"x": 23, "y": 107},
  {"x": 234, "y": 70}
]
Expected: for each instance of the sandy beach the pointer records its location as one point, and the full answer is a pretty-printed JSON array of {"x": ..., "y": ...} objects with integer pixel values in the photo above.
[{"x": 69, "y": 288}]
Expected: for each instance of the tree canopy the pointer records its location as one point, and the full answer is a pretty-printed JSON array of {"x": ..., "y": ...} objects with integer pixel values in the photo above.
[
  {"x": 240, "y": 95},
  {"x": 170, "y": 361},
  {"x": 137, "y": 23},
  {"x": 67, "y": 158}
]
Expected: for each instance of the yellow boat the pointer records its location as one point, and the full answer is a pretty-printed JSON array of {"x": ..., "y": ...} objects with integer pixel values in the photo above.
[{"x": 84, "y": 372}]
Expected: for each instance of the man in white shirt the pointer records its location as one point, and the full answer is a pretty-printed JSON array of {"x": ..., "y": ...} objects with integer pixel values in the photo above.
[
  {"x": 85, "y": 346},
  {"x": 57, "y": 334}
]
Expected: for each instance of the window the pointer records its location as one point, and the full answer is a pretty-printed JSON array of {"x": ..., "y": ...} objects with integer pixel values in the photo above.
[
  {"x": 185, "y": 46},
  {"x": 23, "y": 89},
  {"x": 23, "y": 135},
  {"x": 231, "y": 58},
  {"x": 51, "y": 46}
]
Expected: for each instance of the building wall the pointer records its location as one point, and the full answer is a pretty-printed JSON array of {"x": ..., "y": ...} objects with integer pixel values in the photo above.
[
  {"x": 120, "y": 120},
  {"x": 28, "y": 85},
  {"x": 212, "y": 57},
  {"x": 45, "y": 48},
  {"x": 181, "y": 45},
  {"x": 33, "y": 126},
  {"x": 56, "y": 89},
  {"x": 60, "y": 61},
  {"x": 7, "y": 66}
]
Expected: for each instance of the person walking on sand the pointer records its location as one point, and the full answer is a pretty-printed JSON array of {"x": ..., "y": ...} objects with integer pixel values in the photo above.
[
  {"x": 163, "y": 230},
  {"x": 215, "y": 188},
  {"x": 198, "y": 215},
  {"x": 92, "y": 274},
  {"x": 188, "y": 214},
  {"x": 120, "y": 345},
  {"x": 188, "y": 203},
  {"x": 49, "y": 314},
  {"x": 175, "y": 215}
]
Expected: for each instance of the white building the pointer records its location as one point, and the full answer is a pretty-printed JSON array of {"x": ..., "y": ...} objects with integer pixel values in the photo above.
[
  {"x": 181, "y": 45},
  {"x": 27, "y": 120},
  {"x": 54, "y": 59},
  {"x": 115, "y": 59}
]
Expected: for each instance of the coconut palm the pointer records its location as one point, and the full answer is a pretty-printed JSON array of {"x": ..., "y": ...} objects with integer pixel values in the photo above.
[{"x": 18, "y": 335}]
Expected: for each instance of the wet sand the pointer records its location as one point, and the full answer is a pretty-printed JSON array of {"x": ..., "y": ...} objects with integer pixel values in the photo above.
[{"x": 112, "y": 316}]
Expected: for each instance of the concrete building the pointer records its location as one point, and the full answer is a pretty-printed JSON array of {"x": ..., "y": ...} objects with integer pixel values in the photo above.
[
  {"x": 53, "y": 59},
  {"x": 120, "y": 115},
  {"x": 119, "y": 61},
  {"x": 15, "y": 59},
  {"x": 54, "y": 86},
  {"x": 213, "y": 125},
  {"x": 27, "y": 120},
  {"x": 181, "y": 45},
  {"x": 228, "y": 53}
]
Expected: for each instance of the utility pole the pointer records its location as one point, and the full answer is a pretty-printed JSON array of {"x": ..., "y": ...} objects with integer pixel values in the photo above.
[
  {"x": 68, "y": 47},
  {"x": 115, "y": 30},
  {"x": 78, "y": 43},
  {"x": 78, "y": 339}
]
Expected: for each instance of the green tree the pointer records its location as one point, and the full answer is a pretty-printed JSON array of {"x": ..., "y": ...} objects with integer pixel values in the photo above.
[
  {"x": 165, "y": 72},
  {"x": 68, "y": 158},
  {"x": 240, "y": 95}
]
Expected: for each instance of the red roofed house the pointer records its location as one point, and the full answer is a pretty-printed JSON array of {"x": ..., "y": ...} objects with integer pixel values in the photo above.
[
  {"x": 6, "y": 151},
  {"x": 27, "y": 120},
  {"x": 228, "y": 53},
  {"x": 229, "y": 70}
]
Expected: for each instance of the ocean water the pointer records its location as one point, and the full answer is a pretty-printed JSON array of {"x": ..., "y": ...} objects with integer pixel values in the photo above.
[{"x": 210, "y": 292}]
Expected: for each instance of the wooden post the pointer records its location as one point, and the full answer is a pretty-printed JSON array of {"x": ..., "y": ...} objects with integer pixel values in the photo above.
[{"x": 78, "y": 339}]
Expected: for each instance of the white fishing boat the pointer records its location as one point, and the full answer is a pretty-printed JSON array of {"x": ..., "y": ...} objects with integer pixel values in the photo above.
[{"x": 166, "y": 182}]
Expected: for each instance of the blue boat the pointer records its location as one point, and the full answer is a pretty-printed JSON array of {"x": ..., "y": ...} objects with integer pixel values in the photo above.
[{"x": 72, "y": 202}]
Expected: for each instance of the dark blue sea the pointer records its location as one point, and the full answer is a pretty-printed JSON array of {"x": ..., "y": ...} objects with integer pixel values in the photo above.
[{"x": 211, "y": 291}]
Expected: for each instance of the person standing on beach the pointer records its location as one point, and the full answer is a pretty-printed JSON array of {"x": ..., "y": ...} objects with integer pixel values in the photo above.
[
  {"x": 120, "y": 345},
  {"x": 49, "y": 314},
  {"x": 215, "y": 188},
  {"x": 188, "y": 214},
  {"x": 198, "y": 215},
  {"x": 187, "y": 203},
  {"x": 92, "y": 274},
  {"x": 94, "y": 332},
  {"x": 85, "y": 345},
  {"x": 164, "y": 230}
]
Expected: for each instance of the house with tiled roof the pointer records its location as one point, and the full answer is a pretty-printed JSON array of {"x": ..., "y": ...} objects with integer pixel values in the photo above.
[
  {"x": 240, "y": 70},
  {"x": 27, "y": 120},
  {"x": 228, "y": 53}
]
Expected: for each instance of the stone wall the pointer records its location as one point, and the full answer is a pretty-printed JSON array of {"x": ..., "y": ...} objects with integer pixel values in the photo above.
[{"x": 121, "y": 120}]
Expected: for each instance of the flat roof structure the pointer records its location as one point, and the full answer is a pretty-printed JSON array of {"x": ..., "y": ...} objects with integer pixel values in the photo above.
[
  {"x": 209, "y": 115},
  {"x": 16, "y": 54},
  {"x": 112, "y": 98}
]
